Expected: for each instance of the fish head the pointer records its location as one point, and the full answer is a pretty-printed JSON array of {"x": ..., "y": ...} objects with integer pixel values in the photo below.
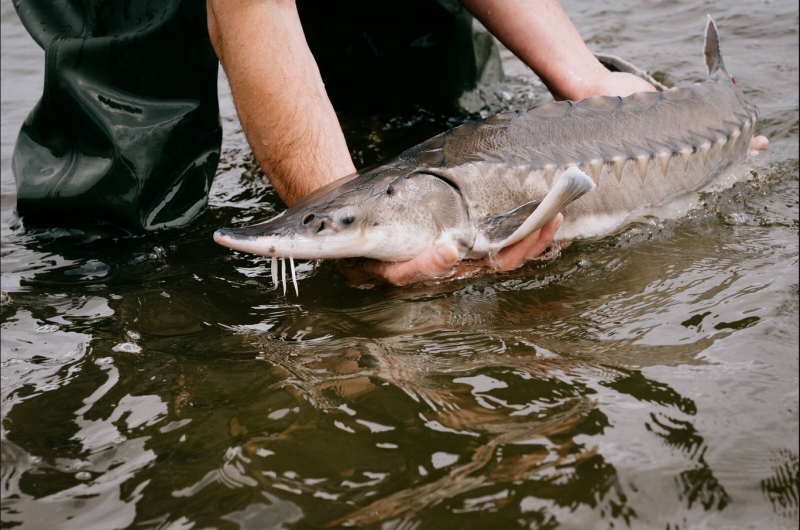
[{"x": 388, "y": 215}]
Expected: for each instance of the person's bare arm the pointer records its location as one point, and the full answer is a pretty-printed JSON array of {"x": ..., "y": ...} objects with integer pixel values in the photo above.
[
  {"x": 280, "y": 99},
  {"x": 541, "y": 34}
]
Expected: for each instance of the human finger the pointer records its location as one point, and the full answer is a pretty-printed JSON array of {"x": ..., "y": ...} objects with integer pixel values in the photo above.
[
  {"x": 431, "y": 263},
  {"x": 530, "y": 247},
  {"x": 758, "y": 144}
]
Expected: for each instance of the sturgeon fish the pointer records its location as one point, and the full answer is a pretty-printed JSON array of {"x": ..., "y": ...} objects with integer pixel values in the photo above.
[{"x": 486, "y": 184}]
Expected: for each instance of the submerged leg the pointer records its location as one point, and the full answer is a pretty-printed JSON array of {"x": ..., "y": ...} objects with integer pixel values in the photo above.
[{"x": 274, "y": 270}]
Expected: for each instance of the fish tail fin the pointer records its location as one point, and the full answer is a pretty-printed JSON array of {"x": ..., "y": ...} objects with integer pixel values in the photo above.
[{"x": 711, "y": 50}]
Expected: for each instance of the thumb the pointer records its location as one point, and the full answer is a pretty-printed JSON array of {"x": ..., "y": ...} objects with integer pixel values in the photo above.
[{"x": 445, "y": 256}]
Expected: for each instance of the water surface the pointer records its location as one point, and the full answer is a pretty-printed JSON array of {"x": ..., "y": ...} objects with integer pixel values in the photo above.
[{"x": 648, "y": 379}]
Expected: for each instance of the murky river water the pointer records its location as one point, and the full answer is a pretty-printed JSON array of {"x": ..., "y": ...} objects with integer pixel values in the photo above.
[{"x": 649, "y": 379}]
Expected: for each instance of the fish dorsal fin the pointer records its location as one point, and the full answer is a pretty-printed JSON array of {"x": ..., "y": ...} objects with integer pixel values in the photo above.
[
  {"x": 507, "y": 228},
  {"x": 711, "y": 49}
]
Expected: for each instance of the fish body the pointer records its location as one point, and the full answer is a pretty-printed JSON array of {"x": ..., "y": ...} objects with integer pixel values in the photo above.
[{"x": 483, "y": 185}]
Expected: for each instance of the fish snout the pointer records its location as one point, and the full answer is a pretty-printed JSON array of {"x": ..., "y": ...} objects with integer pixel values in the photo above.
[
  {"x": 224, "y": 237},
  {"x": 233, "y": 237},
  {"x": 221, "y": 234}
]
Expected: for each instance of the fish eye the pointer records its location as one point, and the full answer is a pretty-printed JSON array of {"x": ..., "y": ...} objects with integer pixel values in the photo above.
[
  {"x": 389, "y": 190},
  {"x": 347, "y": 217}
]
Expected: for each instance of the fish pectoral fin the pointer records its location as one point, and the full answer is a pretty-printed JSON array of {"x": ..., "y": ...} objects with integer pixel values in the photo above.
[
  {"x": 506, "y": 229},
  {"x": 500, "y": 227}
]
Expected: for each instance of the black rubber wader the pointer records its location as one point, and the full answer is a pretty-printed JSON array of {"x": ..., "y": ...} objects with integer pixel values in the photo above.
[
  {"x": 128, "y": 130},
  {"x": 373, "y": 57}
]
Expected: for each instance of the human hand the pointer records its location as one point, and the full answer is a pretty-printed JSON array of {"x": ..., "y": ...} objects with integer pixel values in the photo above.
[
  {"x": 441, "y": 261},
  {"x": 608, "y": 83}
]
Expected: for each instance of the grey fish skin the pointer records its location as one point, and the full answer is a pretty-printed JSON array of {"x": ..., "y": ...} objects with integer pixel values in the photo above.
[{"x": 478, "y": 182}]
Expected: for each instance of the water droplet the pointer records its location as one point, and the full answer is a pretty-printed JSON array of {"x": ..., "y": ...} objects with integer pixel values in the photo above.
[
  {"x": 34, "y": 459},
  {"x": 9, "y": 362},
  {"x": 78, "y": 465},
  {"x": 47, "y": 328},
  {"x": 735, "y": 219},
  {"x": 441, "y": 459},
  {"x": 83, "y": 475},
  {"x": 104, "y": 360},
  {"x": 48, "y": 387},
  {"x": 90, "y": 269},
  {"x": 120, "y": 438},
  {"x": 127, "y": 347},
  {"x": 133, "y": 335}
]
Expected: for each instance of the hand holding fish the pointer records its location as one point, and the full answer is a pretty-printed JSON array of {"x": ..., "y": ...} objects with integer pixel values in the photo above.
[
  {"x": 471, "y": 199},
  {"x": 442, "y": 261},
  {"x": 543, "y": 37}
]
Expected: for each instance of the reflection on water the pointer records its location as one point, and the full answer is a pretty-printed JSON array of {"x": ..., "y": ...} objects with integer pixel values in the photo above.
[{"x": 647, "y": 379}]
